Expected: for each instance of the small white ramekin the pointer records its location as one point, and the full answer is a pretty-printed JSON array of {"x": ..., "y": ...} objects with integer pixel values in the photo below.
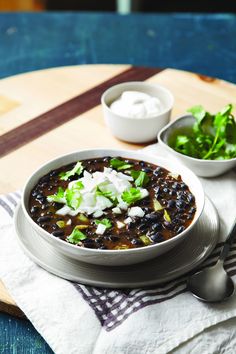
[{"x": 137, "y": 130}]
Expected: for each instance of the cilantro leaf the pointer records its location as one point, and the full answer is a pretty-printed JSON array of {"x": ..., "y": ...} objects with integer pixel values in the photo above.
[
  {"x": 105, "y": 222},
  {"x": 212, "y": 136},
  {"x": 131, "y": 196},
  {"x": 77, "y": 169},
  {"x": 119, "y": 164},
  {"x": 141, "y": 178},
  {"x": 58, "y": 197},
  {"x": 76, "y": 236}
]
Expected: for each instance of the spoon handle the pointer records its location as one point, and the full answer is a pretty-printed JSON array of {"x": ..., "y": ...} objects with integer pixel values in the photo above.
[{"x": 228, "y": 242}]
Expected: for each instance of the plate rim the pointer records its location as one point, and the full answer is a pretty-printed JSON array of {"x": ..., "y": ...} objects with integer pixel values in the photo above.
[{"x": 174, "y": 274}]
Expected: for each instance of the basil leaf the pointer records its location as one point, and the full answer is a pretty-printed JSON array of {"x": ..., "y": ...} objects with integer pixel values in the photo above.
[
  {"x": 119, "y": 164},
  {"x": 77, "y": 169},
  {"x": 76, "y": 236}
]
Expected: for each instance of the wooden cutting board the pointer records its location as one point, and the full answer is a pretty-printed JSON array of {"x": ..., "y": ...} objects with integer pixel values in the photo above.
[{"x": 50, "y": 112}]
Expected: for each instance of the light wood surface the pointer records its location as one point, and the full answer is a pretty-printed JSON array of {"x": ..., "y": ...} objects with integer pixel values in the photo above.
[{"x": 34, "y": 93}]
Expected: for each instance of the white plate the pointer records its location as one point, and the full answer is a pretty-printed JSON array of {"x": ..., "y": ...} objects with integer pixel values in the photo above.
[{"x": 181, "y": 259}]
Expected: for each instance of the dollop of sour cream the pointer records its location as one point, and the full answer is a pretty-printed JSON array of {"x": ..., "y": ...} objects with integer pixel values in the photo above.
[{"x": 134, "y": 104}]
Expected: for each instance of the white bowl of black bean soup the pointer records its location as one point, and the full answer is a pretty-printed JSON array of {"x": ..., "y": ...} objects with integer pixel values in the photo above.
[{"x": 112, "y": 207}]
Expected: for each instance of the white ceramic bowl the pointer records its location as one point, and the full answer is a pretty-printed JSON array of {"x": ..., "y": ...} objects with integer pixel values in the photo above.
[
  {"x": 137, "y": 130},
  {"x": 114, "y": 257},
  {"x": 202, "y": 168}
]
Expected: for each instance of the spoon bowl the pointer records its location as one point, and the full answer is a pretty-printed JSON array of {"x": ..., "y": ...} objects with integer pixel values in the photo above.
[{"x": 213, "y": 284}]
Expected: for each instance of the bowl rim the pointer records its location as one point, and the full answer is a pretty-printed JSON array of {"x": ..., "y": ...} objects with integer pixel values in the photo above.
[
  {"x": 190, "y": 158},
  {"x": 140, "y": 84},
  {"x": 116, "y": 152}
]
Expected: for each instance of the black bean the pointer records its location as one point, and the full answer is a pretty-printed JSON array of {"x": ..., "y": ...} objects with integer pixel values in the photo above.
[
  {"x": 136, "y": 242},
  {"x": 88, "y": 243},
  {"x": 34, "y": 209},
  {"x": 58, "y": 233},
  {"x": 168, "y": 225},
  {"x": 157, "y": 226},
  {"x": 152, "y": 217},
  {"x": 192, "y": 210},
  {"x": 166, "y": 190},
  {"x": 142, "y": 163},
  {"x": 157, "y": 237},
  {"x": 44, "y": 218},
  {"x": 180, "y": 229},
  {"x": 172, "y": 192},
  {"x": 171, "y": 203},
  {"x": 157, "y": 171},
  {"x": 183, "y": 186},
  {"x": 147, "y": 170},
  {"x": 131, "y": 225},
  {"x": 106, "y": 159},
  {"x": 103, "y": 247},
  {"x": 34, "y": 193},
  {"x": 190, "y": 198},
  {"x": 53, "y": 173},
  {"x": 180, "y": 203},
  {"x": 176, "y": 186},
  {"x": 45, "y": 206},
  {"x": 143, "y": 226}
]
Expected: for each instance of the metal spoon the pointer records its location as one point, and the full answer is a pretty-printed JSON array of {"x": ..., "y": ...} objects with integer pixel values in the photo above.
[{"x": 213, "y": 284}]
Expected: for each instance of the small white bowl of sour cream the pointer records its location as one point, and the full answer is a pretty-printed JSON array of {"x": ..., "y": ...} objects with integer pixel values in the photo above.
[{"x": 136, "y": 111}]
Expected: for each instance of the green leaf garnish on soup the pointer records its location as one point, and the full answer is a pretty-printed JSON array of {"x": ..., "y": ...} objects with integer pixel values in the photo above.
[
  {"x": 131, "y": 196},
  {"x": 58, "y": 197},
  {"x": 76, "y": 236},
  {"x": 105, "y": 222},
  {"x": 141, "y": 178},
  {"x": 119, "y": 164},
  {"x": 76, "y": 170}
]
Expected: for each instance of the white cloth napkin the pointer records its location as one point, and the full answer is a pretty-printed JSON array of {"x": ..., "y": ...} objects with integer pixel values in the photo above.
[{"x": 74, "y": 318}]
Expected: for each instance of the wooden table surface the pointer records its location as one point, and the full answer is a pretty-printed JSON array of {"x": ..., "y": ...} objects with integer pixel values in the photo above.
[{"x": 55, "y": 111}]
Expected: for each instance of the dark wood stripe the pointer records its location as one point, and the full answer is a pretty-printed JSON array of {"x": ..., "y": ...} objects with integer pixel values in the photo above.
[{"x": 63, "y": 113}]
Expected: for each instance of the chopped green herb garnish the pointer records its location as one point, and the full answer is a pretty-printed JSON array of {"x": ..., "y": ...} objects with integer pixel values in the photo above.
[
  {"x": 77, "y": 169},
  {"x": 212, "y": 137},
  {"x": 105, "y": 222},
  {"x": 119, "y": 164},
  {"x": 58, "y": 197},
  {"x": 73, "y": 198},
  {"x": 145, "y": 240},
  {"x": 157, "y": 205},
  {"x": 76, "y": 236},
  {"x": 131, "y": 196},
  {"x": 141, "y": 178},
  {"x": 167, "y": 216}
]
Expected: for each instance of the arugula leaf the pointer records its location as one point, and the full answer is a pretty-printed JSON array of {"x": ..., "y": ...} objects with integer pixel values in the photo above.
[
  {"x": 141, "y": 178},
  {"x": 119, "y": 164},
  {"x": 105, "y": 222},
  {"x": 77, "y": 169},
  {"x": 131, "y": 196},
  {"x": 76, "y": 236},
  {"x": 57, "y": 197}
]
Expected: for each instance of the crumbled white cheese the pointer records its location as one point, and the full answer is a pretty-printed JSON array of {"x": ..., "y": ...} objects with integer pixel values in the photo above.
[
  {"x": 128, "y": 220},
  {"x": 98, "y": 213},
  {"x": 120, "y": 224},
  {"x": 68, "y": 222},
  {"x": 136, "y": 211},
  {"x": 116, "y": 210},
  {"x": 100, "y": 229}
]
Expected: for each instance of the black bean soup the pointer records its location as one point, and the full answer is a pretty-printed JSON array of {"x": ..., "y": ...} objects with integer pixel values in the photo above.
[{"x": 155, "y": 206}]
